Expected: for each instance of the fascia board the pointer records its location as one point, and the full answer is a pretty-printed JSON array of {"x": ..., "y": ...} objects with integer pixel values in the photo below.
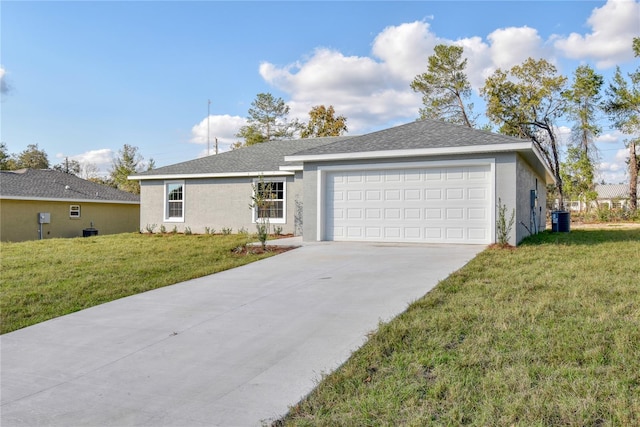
[
  {"x": 468, "y": 149},
  {"x": 209, "y": 175},
  {"x": 292, "y": 168},
  {"x": 52, "y": 199}
]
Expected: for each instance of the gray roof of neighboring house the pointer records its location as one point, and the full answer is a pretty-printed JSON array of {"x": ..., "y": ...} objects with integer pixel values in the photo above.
[
  {"x": 49, "y": 184},
  {"x": 613, "y": 191},
  {"x": 267, "y": 156},
  {"x": 415, "y": 135}
]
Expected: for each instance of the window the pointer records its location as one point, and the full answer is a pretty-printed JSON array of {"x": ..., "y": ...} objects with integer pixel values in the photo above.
[
  {"x": 174, "y": 201},
  {"x": 74, "y": 211},
  {"x": 273, "y": 208}
]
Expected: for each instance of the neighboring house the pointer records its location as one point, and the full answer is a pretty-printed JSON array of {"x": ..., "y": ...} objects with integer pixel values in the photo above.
[
  {"x": 614, "y": 196},
  {"x": 426, "y": 181},
  {"x": 46, "y": 203}
]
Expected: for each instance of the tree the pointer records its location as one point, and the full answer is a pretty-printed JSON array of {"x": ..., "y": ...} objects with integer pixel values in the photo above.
[
  {"x": 578, "y": 175},
  {"x": 6, "y": 162},
  {"x": 323, "y": 122},
  {"x": 583, "y": 104},
  {"x": 525, "y": 102},
  {"x": 72, "y": 167},
  {"x": 445, "y": 87},
  {"x": 127, "y": 162},
  {"x": 623, "y": 107},
  {"x": 32, "y": 158},
  {"x": 268, "y": 121}
]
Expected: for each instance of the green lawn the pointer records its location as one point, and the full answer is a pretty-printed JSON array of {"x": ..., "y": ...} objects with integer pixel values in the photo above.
[
  {"x": 546, "y": 334},
  {"x": 48, "y": 278}
]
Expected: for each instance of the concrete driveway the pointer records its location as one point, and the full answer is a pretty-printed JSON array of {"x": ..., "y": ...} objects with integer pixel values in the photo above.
[{"x": 233, "y": 349}]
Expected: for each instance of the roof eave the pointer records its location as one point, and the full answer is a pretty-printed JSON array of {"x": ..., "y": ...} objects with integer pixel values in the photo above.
[
  {"x": 467, "y": 149},
  {"x": 56, "y": 199},
  {"x": 209, "y": 175}
]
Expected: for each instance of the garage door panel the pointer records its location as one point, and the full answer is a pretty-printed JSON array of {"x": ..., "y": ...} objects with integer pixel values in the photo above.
[{"x": 443, "y": 204}]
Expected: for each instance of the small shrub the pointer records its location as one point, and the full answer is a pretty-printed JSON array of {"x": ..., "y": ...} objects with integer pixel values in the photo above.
[
  {"x": 503, "y": 228},
  {"x": 207, "y": 230},
  {"x": 175, "y": 229},
  {"x": 243, "y": 231},
  {"x": 277, "y": 230},
  {"x": 187, "y": 231},
  {"x": 150, "y": 228},
  {"x": 163, "y": 229},
  {"x": 226, "y": 230}
]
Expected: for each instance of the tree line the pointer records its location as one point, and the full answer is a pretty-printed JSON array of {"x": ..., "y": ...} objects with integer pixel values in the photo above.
[
  {"x": 526, "y": 101},
  {"x": 127, "y": 162},
  {"x": 529, "y": 99}
]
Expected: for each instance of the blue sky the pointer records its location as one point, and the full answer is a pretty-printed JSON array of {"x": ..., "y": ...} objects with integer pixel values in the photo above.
[{"x": 84, "y": 78}]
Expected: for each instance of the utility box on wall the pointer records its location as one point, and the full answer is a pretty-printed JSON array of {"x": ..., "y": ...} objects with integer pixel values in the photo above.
[{"x": 44, "y": 218}]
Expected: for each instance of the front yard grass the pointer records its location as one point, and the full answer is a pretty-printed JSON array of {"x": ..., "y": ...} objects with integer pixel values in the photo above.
[
  {"x": 545, "y": 334},
  {"x": 48, "y": 278}
]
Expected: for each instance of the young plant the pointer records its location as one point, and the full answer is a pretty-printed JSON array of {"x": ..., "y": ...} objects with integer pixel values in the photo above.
[
  {"x": 163, "y": 229},
  {"x": 226, "y": 230},
  {"x": 150, "y": 228},
  {"x": 277, "y": 230},
  {"x": 260, "y": 204},
  {"x": 503, "y": 228},
  {"x": 187, "y": 231}
]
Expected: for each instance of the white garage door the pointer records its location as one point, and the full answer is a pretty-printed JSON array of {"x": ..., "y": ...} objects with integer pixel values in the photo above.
[{"x": 435, "y": 204}]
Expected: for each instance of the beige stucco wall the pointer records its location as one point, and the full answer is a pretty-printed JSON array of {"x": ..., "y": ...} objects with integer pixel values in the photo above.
[
  {"x": 19, "y": 219},
  {"x": 217, "y": 203}
]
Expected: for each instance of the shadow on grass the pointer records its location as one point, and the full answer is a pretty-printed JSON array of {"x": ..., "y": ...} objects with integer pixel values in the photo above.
[{"x": 583, "y": 237}]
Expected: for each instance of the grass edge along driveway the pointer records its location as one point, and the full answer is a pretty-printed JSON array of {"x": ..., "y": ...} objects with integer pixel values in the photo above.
[
  {"x": 545, "y": 334},
  {"x": 44, "y": 279}
]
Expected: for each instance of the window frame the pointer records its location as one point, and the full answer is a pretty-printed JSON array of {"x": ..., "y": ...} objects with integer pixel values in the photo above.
[
  {"x": 254, "y": 211},
  {"x": 72, "y": 210},
  {"x": 168, "y": 218}
]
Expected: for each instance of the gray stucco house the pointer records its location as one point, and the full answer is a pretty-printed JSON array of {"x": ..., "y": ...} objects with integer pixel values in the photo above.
[{"x": 425, "y": 181}]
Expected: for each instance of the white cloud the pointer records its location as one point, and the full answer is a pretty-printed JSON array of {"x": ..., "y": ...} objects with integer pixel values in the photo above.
[
  {"x": 4, "y": 88},
  {"x": 609, "y": 138},
  {"x": 622, "y": 155},
  {"x": 404, "y": 49},
  {"x": 224, "y": 127},
  {"x": 615, "y": 171},
  {"x": 513, "y": 45},
  {"x": 373, "y": 91},
  {"x": 613, "y": 27},
  {"x": 102, "y": 159}
]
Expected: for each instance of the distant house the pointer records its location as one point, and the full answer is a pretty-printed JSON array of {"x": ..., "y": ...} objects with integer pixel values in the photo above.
[
  {"x": 47, "y": 203},
  {"x": 613, "y": 196},
  {"x": 426, "y": 181}
]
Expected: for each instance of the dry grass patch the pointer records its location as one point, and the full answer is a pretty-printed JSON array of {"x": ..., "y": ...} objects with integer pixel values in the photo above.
[{"x": 546, "y": 334}]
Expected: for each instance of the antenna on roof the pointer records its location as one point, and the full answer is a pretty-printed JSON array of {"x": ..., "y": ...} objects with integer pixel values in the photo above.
[{"x": 208, "y": 114}]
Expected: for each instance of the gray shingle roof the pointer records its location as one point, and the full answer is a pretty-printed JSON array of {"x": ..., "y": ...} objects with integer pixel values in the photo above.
[
  {"x": 53, "y": 184},
  {"x": 268, "y": 156},
  {"x": 613, "y": 191},
  {"x": 414, "y": 135}
]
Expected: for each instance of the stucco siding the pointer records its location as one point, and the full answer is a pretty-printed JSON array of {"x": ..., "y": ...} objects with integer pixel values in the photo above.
[
  {"x": 528, "y": 180},
  {"x": 217, "y": 203},
  {"x": 19, "y": 219}
]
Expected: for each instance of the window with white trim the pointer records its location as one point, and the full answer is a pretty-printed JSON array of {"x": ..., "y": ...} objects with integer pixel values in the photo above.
[
  {"x": 272, "y": 193},
  {"x": 74, "y": 211},
  {"x": 174, "y": 201}
]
